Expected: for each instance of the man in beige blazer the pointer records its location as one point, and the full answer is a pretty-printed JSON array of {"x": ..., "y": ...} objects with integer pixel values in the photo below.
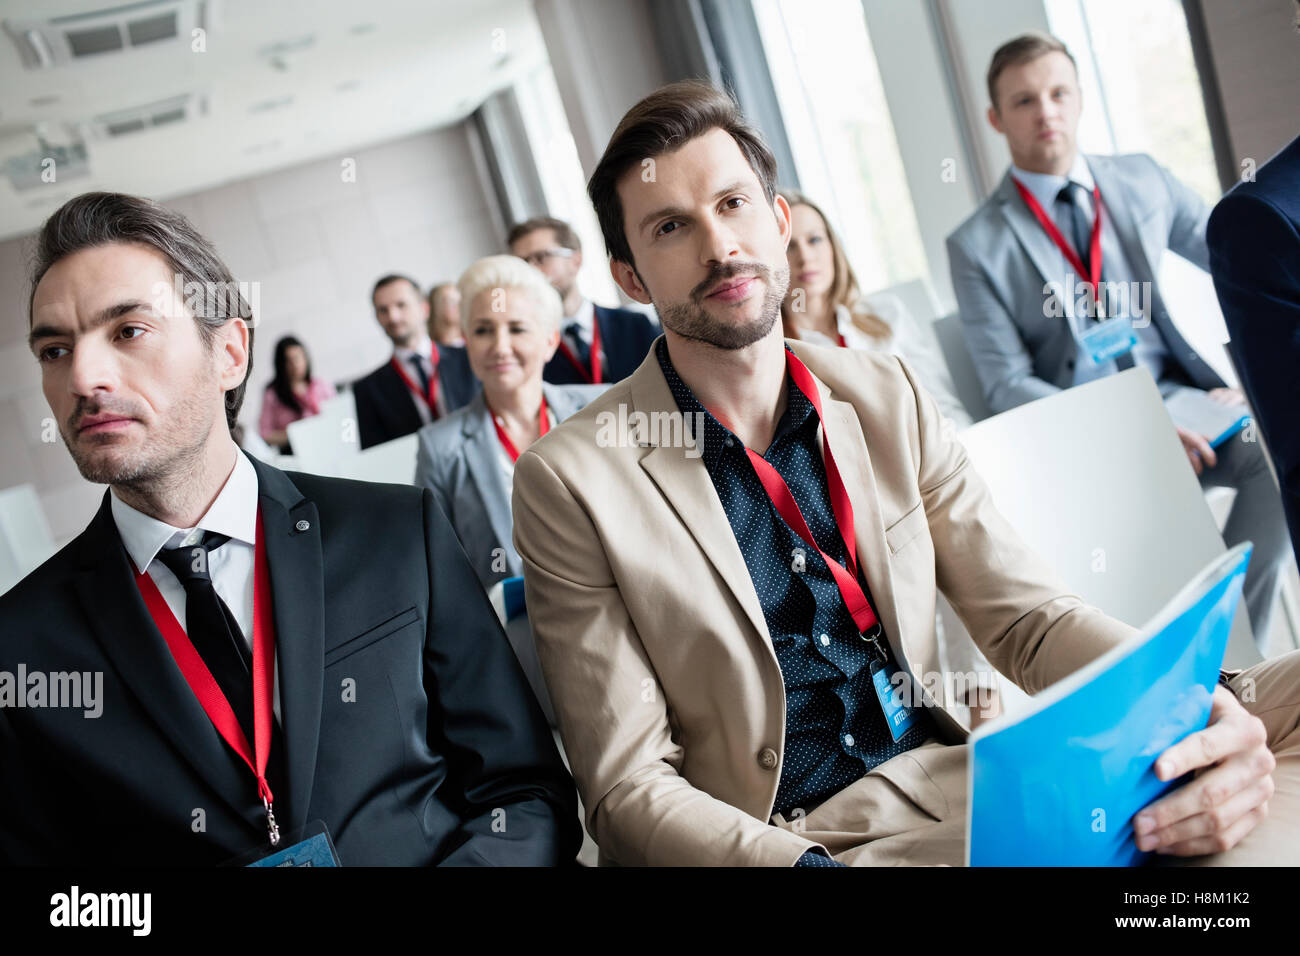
[{"x": 658, "y": 647}]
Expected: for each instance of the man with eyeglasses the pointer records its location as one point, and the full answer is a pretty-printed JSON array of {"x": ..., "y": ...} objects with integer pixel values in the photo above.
[{"x": 597, "y": 344}]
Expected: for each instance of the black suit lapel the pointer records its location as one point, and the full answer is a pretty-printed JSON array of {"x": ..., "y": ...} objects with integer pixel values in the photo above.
[
  {"x": 400, "y": 413},
  {"x": 105, "y": 586},
  {"x": 293, "y": 550}
]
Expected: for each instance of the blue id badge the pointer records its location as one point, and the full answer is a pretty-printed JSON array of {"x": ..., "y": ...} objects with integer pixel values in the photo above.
[
  {"x": 1108, "y": 340},
  {"x": 310, "y": 846},
  {"x": 898, "y": 715}
]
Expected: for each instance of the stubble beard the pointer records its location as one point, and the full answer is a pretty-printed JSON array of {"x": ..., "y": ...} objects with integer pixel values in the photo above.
[
  {"x": 691, "y": 320},
  {"x": 162, "y": 462}
]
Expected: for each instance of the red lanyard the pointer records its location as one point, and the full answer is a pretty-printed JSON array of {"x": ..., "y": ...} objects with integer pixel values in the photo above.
[
  {"x": 855, "y": 599},
  {"x": 1092, "y": 274},
  {"x": 592, "y": 377},
  {"x": 431, "y": 397},
  {"x": 543, "y": 426},
  {"x": 205, "y": 687}
]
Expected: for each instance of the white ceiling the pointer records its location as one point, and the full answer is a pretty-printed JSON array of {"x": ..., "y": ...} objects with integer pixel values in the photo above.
[{"x": 286, "y": 81}]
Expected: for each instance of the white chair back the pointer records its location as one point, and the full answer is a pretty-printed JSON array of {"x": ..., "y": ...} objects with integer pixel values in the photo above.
[
  {"x": 393, "y": 462},
  {"x": 952, "y": 345},
  {"x": 1095, "y": 479},
  {"x": 25, "y": 539},
  {"x": 324, "y": 444}
]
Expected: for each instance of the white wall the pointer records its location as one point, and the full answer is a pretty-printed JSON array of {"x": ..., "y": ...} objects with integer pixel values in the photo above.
[{"x": 315, "y": 244}]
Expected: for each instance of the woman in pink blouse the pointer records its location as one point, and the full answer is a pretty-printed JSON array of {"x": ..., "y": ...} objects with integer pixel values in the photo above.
[{"x": 292, "y": 394}]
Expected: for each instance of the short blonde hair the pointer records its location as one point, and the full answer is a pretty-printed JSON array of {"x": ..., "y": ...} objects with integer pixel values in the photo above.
[{"x": 510, "y": 272}]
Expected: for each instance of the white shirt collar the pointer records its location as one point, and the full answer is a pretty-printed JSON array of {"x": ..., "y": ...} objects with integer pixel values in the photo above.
[
  {"x": 1045, "y": 186},
  {"x": 233, "y": 513},
  {"x": 423, "y": 348},
  {"x": 585, "y": 317}
]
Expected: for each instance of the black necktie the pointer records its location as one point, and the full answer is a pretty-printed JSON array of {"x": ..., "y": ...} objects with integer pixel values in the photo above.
[
  {"x": 216, "y": 635},
  {"x": 424, "y": 376},
  {"x": 1078, "y": 219},
  {"x": 582, "y": 348},
  {"x": 1082, "y": 230},
  {"x": 212, "y": 628}
]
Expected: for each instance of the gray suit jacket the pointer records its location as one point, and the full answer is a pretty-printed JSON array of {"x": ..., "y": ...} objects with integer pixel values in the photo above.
[
  {"x": 458, "y": 459},
  {"x": 1001, "y": 260}
]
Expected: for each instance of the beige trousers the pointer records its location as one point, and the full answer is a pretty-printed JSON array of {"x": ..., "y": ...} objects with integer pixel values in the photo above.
[{"x": 911, "y": 810}]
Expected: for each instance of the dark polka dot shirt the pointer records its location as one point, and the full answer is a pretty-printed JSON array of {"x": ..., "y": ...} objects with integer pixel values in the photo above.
[{"x": 835, "y": 727}]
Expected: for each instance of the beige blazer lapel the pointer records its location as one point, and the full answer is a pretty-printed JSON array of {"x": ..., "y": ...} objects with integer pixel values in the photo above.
[{"x": 685, "y": 483}]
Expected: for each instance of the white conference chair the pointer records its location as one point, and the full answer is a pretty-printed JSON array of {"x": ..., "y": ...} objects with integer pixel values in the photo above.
[
  {"x": 952, "y": 345},
  {"x": 393, "y": 462},
  {"x": 325, "y": 444},
  {"x": 25, "y": 539},
  {"x": 917, "y": 297},
  {"x": 1095, "y": 480}
]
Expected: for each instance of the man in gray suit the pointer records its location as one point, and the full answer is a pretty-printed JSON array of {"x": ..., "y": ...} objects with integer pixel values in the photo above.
[{"x": 1024, "y": 267}]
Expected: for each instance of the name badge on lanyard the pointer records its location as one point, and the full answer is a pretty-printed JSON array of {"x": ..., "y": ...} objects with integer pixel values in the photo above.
[
  {"x": 1108, "y": 340},
  {"x": 898, "y": 715}
]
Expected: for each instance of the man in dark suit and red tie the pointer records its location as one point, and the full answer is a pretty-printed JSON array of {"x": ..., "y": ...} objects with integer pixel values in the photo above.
[
  {"x": 275, "y": 663},
  {"x": 597, "y": 345},
  {"x": 421, "y": 381}
]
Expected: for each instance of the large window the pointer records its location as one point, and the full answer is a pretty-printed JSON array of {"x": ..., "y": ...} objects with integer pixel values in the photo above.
[
  {"x": 837, "y": 119},
  {"x": 1140, "y": 86},
  {"x": 560, "y": 171}
]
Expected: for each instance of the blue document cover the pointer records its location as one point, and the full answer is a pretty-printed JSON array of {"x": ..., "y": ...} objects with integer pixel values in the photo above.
[{"x": 1059, "y": 785}]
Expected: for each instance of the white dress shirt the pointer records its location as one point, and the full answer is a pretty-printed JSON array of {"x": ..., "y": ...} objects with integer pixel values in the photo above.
[
  {"x": 422, "y": 352},
  {"x": 230, "y": 566}
]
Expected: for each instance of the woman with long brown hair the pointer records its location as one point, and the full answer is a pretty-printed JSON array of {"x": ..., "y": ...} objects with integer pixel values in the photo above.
[{"x": 825, "y": 305}]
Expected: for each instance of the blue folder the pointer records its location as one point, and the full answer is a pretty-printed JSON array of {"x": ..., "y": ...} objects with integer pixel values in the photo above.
[{"x": 1060, "y": 784}]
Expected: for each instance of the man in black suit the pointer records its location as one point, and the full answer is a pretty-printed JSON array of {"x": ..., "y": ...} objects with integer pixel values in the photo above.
[
  {"x": 397, "y": 715},
  {"x": 1254, "y": 240},
  {"x": 421, "y": 382},
  {"x": 622, "y": 336}
]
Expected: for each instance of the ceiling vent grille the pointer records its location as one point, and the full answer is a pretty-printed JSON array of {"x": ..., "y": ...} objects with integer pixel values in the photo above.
[
  {"x": 58, "y": 41},
  {"x": 175, "y": 109}
]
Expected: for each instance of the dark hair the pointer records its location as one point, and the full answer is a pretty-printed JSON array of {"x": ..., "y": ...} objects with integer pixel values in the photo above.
[
  {"x": 100, "y": 219},
  {"x": 397, "y": 277},
  {"x": 564, "y": 233},
  {"x": 664, "y": 121},
  {"x": 1022, "y": 49},
  {"x": 282, "y": 385}
]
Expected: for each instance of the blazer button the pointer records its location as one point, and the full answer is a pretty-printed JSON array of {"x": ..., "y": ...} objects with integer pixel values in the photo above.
[{"x": 767, "y": 758}]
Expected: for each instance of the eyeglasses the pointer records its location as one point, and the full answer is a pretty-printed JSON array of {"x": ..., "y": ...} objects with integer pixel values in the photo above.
[{"x": 539, "y": 257}]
